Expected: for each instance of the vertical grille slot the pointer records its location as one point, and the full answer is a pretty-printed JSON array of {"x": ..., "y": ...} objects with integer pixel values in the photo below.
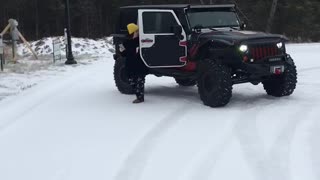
[{"x": 261, "y": 51}]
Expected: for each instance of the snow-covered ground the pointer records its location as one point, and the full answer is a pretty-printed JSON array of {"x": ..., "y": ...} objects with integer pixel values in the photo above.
[
  {"x": 75, "y": 125},
  {"x": 28, "y": 72}
]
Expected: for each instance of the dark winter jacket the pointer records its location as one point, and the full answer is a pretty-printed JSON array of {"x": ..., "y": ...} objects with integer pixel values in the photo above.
[{"x": 134, "y": 64}]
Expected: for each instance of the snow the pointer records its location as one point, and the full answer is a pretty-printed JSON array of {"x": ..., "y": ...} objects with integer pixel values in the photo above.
[
  {"x": 80, "y": 46},
  {"x": 73, "y": 124},
  {"x": 28, "y": 72}
]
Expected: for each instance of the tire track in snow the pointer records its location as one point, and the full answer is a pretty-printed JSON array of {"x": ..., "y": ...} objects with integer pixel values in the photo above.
[
  {"x": 315, "y": 147},
  {"x": 45, "y": 91},
  {"x": 61, "y": 174},
  {"x": 309, "y": 69},
  {"x": 31, "y": 100},
  {"x": 273, "y": 164},
  {"x": 136, "y": 161},
  {"x": 208, "y": 161},
  {"x": 278, "y": 158},
  {"x": 247, "y": 133},
  {"x": 252, "y": 146},
  {"x": 213, "y": 153}
]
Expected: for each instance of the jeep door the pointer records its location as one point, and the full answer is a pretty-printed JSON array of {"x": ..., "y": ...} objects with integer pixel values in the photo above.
[{"x": 160, "y": 47}]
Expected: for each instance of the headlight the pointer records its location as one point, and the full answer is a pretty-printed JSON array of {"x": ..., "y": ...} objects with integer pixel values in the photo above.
[
  {"x": 280, "y": 45},
  {"x": 243, "y": 48}
]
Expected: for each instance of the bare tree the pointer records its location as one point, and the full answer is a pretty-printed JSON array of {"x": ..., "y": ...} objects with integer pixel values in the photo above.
[
  {"x": 36, "y": 19},
  {"x": 271, "y": 16}
]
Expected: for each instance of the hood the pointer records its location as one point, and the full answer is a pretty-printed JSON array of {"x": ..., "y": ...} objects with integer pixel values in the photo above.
[{"x": 237, "y": 36}]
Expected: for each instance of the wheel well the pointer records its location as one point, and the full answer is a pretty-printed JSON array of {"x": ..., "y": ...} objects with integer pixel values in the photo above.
[
  {"x": 221, "y": 53},
  {"x": 215, "y": 50}
]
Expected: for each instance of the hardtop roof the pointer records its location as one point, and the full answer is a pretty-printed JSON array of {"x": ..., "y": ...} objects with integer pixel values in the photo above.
[{"x": 178, "y": 6}]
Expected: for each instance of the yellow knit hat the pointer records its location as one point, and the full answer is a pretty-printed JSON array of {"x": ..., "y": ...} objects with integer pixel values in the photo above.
[{"x": 132, "y": 28}]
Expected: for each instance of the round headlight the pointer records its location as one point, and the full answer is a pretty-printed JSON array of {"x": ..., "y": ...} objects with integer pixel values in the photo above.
[
  {"x": 280, "y": 45},
  {"x": 243, "y": 48}
]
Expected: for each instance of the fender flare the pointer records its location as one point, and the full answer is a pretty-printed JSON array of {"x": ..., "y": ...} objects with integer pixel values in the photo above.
[{"x": 207, "y": 47}]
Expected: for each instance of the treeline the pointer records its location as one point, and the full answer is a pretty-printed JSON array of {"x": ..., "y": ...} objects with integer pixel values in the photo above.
[{"x": 297, "y": 19}]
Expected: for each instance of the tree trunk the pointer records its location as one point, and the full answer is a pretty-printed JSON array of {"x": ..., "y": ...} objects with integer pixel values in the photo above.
[
  {"x": 271, "y": 16},
  {"x": 201, "y": 1},
  {"x": 37, "y": 19}
]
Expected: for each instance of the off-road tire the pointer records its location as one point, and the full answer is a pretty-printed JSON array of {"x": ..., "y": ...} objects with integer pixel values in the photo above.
[
  {"x": 120, "y": 77},
  {"x": 215, "y": 84},
  {"x": 185, "y": 82},
  {"x": 284, "y": 85}
]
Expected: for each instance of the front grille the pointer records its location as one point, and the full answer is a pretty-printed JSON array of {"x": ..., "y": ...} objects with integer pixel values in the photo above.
[{"x": 262, "y": 51}]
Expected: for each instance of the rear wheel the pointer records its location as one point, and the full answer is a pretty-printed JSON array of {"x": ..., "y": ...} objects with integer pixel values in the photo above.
[
  {"x": 185, "y": 82},
  {"x": 120, "y": 77},
  {"x": 215, "y": 85},
  {"x": 283, "y": 85}
]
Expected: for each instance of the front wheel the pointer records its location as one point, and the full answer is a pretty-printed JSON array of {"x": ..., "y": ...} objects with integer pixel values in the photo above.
[
  {"x": 215, "y": 85},
  {"x": 283, "y": 85},
  {"x": 120, "y": 77}
]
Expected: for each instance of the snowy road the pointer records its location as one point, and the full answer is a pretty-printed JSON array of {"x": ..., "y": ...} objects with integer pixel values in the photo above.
[{"x": 78, "y": 127}]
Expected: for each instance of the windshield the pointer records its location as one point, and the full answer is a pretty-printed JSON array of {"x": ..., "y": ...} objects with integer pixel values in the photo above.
[{"x": 212, "y": 19}]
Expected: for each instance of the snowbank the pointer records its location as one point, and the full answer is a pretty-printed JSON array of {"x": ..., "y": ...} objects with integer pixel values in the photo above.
[
  {"x": 28, "y": 72},
  {"x": 80, "y": 46}
]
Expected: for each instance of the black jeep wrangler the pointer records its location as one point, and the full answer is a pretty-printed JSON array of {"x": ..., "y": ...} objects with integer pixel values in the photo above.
[{"x": 208, "y": 46}]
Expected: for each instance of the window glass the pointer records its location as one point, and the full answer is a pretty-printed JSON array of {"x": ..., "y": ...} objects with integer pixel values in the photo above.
[
  {"x": 158, "y": 22},
  {"x": 213, "y": 19}
]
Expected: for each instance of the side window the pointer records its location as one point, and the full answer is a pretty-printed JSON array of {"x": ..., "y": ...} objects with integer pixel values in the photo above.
[{"x": 158, "y": 22}]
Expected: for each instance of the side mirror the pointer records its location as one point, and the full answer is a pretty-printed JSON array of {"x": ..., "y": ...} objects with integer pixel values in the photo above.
[
  {"x": 243, "y": 26},
  {"x": 177, "y": 30}
]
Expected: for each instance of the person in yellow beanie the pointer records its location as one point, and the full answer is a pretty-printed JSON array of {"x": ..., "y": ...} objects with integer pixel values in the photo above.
[
  {"x": 135, "y": 68},
  {"x": 132, "y": 28}
]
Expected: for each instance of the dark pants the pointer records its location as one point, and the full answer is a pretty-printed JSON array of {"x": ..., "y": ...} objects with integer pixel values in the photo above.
[{"x": 137, "y": 83}]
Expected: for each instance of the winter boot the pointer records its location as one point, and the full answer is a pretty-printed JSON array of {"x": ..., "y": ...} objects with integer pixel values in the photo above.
[{"x": 137, "y": 101}]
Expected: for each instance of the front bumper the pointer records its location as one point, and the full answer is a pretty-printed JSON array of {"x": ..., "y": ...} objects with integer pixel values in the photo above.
[{"x": 264, "y": 66}]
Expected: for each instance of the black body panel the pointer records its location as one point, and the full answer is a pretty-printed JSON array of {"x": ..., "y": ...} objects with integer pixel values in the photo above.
[
  {"x": 165, "y": 52},
  {"x": 235, "y": 37}
]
